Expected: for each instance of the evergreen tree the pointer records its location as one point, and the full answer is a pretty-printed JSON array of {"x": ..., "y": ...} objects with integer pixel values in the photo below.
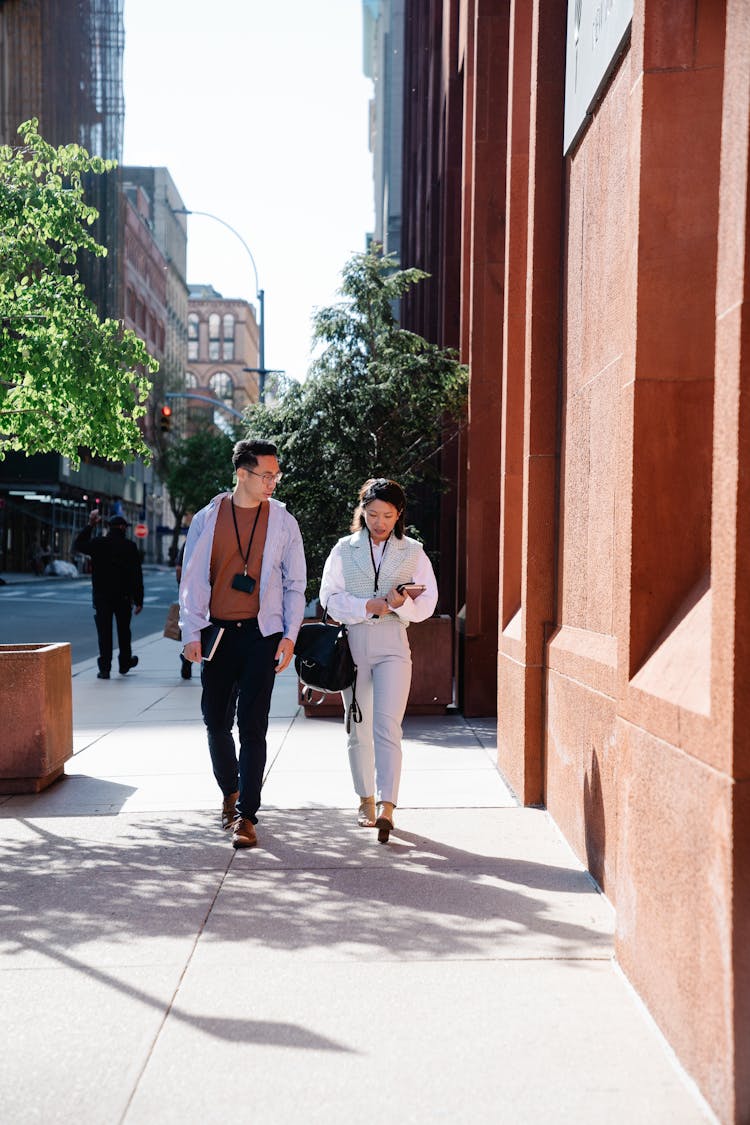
[{"x": 374, "y": 404}]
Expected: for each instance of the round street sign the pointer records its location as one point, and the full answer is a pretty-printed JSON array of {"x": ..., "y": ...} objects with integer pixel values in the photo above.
[{"x": 141, "y": 531}]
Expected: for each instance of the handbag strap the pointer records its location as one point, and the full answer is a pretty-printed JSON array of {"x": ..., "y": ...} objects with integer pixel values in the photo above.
[
  {"x": 353, "y": 711},
  {"x": 326, "y": 619},
  {"x": 309, "y": 701}
]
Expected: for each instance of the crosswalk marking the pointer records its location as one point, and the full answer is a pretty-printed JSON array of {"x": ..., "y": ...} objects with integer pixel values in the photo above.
[{"x": 84, "y": 598}]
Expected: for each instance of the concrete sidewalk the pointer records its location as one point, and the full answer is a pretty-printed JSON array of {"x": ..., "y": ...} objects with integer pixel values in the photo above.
[{"x": 150, "y": 973}]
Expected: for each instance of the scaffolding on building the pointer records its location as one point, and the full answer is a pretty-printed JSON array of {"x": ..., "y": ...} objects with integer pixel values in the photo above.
[{"x": 61, "y": 62}]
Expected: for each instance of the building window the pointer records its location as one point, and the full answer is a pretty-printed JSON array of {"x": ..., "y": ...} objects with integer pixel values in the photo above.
[
  {"x": 190, "y": 381},
  {"x": 222, "y": 386},
  {"x": 193, "y": 335},
  {"x": 131, "y": 304},
  {"x": 228, "y": 337},
  {"x": 214, "y": 328}
]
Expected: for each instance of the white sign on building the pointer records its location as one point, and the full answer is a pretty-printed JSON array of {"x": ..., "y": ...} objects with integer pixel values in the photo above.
[{"x": 597, "y": 32}]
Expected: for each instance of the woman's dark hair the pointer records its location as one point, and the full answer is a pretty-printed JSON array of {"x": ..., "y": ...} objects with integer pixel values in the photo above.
[
  {"x": 378, "y": 488},
  {"x": 246, "y": 453}
]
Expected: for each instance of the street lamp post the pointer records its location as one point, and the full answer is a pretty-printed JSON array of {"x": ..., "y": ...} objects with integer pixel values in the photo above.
[
  {"x": 262, "y": 371},
  {"x": 215, "y": 402}
]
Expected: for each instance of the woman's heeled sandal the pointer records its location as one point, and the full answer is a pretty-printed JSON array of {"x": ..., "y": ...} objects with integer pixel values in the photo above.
[
  {"x": 366, "y": 813},
  {"x": 384, "y": 821}
]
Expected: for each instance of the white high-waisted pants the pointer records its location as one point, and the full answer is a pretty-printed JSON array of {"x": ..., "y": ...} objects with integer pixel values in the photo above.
[{"x": 383, "y": 658}]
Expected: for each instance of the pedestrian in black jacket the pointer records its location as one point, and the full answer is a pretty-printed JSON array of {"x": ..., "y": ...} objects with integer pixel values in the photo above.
[{"x": 116, "y": 588}]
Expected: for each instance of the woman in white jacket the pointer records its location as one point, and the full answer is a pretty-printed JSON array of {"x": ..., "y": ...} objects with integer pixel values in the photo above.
[{"x": 375, "y": 581}]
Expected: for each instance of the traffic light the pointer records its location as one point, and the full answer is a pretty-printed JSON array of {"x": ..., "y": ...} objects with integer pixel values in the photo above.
[{"x": 166, "y": 419}]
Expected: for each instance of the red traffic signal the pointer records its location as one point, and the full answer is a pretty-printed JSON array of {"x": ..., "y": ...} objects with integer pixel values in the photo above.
[{"x": 166, "y": 419}]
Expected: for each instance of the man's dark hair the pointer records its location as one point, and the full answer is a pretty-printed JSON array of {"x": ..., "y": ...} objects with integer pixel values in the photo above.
[{"x": 246, "y": 453}]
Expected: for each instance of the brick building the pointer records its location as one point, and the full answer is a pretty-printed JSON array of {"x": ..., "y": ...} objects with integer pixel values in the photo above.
[
  {"x": 222, "y": 356},
  {"x": 144, "y": 280},
  {"x": 164, "y": 204}
]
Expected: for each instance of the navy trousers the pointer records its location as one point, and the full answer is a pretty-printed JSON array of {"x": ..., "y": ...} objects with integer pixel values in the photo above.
[{"x": 239, "y": 680}]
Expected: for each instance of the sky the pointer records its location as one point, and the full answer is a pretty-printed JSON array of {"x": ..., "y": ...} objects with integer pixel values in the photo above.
[{"x": 259, "y": 109}]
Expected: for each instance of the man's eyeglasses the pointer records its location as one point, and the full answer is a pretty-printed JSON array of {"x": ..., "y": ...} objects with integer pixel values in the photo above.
[{"x": 267, "y": 478}]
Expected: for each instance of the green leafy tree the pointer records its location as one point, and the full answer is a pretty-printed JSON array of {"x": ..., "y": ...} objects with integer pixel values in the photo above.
[
  {"x": 195, "y": 469},
  {"x": 67, "y": 377},
  {"x": 374, "y": 404}
]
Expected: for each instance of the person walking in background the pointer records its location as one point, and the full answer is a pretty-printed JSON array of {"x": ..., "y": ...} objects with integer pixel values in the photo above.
[
  {"x": 243, "y": 571},
  {"x": 375, "y": 581},
  {"x": 116, "y": 588},
  {"x": 186, "y": 668}
]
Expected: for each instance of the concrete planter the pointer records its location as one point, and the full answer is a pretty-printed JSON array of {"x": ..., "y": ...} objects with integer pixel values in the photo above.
[
  {"x": 432, "y": 672},
  {"x": 36, "y": 704}
]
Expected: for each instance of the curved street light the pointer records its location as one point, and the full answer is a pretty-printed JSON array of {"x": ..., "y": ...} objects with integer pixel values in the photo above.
[
  {"x": 215, "y": 402},
  {"x": 261, "y": 369}
]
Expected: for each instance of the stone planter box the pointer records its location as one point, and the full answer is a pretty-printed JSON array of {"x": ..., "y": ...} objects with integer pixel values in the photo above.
[
  {"x": 432, "y": 672},
  {"x": 36, "y": 704}
]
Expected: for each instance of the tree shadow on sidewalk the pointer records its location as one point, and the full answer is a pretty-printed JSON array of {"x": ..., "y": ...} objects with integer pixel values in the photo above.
[
  {"x": 99, "y": 892},
  {"x": 415, "y": 897},
  {"x": 96, "y": 905}
]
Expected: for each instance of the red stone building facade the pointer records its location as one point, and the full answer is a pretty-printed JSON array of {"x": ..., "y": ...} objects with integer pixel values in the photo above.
[{"x": 600, "y": 298}]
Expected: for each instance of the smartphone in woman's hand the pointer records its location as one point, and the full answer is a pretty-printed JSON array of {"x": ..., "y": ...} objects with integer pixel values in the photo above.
[{"x": 413, "y": 589}]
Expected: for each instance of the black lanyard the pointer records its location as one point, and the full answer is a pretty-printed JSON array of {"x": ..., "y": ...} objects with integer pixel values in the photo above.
[
  {"x": 246, "y": 556},
  {"x": 372, "y": 556}
]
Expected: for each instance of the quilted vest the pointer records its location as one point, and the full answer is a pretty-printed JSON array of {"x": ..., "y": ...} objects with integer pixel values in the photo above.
[{"x": 397, "y": 566}]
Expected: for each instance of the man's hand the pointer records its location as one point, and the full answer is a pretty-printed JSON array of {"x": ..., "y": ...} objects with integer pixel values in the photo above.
[
  {"x": 137, "y": 609},
  {"x": 284, "y": 654},
  {"x": 192, "y": 652}
]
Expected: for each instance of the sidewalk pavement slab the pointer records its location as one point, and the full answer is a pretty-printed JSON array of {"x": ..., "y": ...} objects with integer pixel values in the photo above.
[{"x": 464, "y": 972}]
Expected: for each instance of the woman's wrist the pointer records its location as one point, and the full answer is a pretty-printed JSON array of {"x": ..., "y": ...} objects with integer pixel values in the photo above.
[{"x": 378, "y": 607}]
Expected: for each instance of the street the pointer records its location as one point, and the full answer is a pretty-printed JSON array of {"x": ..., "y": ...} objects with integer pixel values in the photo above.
[{"x": 56, "y": 609}]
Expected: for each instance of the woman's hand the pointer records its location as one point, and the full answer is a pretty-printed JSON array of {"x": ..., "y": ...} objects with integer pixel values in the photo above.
[
  {"x": 394, "y": 598},
  {"x": 378, "y": 607}
]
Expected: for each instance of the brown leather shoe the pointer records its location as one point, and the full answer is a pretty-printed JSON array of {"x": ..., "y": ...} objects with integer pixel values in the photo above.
[
  {"x": 366, "y": 813},
  {"x": 243, "y": 833},
  {"x": 228, "y": 810},
  {"x": 384, "y": 820}
]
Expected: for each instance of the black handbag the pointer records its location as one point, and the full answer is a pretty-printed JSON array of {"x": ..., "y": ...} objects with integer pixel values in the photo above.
[{"x": 324, "y": 663}]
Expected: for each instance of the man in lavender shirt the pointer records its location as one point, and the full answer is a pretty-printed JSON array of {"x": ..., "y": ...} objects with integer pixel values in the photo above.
[{"x": 244, "y": 570}]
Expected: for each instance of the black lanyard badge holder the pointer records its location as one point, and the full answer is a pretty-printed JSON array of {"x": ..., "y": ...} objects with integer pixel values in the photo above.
[
  {"x": 376, "y": 569},
  {"x": 244, "y": 582}
]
